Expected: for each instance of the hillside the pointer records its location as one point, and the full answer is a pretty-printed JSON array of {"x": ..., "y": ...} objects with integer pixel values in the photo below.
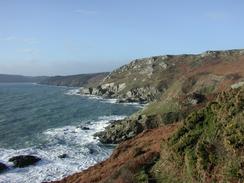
[
  {"x": 174, "y": 91},
  {"x": 191, "y": 129},
  {"x": 208, "y": 146},
  {"x": 145, "y": 80},
  {"x": 87, "y": 80},
  {"x": 6, "y": 78}
]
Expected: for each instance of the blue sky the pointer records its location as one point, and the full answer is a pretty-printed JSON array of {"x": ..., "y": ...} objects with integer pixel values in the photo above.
[{"x": 50, "y": 37}]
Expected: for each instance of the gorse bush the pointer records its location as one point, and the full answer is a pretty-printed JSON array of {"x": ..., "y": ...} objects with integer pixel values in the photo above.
[{"x": 209, "y": 147}]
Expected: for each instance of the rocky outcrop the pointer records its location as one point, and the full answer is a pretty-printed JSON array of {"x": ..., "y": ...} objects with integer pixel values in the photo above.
[
  {"x": 3, "y": 167},
  {"x": 122, "y": 130},
  {"x": 119, "y": 131},
  {"x": 138, "y": 95},
  {"x": 24, "y": 160}
]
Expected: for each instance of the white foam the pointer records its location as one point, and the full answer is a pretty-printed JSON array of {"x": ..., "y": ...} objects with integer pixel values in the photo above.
[
  {"x": 134, "y": 104},
  {"x": 94, "y": 97},
  {"x": 104, "y": 100},
  {"x": 82, "y": 150},
  {"x": 110, "y": 101},
  {"x": 73, "y": 92}
]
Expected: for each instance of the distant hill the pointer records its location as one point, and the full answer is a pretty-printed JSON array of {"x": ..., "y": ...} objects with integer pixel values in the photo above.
[
  {"x": 76, "y": 80},
  {"x": 7, "y": 78}
]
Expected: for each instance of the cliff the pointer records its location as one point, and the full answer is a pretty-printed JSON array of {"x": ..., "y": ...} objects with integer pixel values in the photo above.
[
  {"x": 184, "y": 85},
  {"x": 145, "y": 80},
  {"x": 191, "y": 130}
]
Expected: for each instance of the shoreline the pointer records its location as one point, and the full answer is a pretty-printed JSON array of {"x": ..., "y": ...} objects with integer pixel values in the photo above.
[{"x": 45, "y": 158}]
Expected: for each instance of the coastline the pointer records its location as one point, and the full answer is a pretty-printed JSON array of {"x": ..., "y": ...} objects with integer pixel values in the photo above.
[{"x": 68, "y": 133}]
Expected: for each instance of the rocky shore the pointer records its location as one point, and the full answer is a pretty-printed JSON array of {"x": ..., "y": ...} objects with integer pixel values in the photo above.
[{"x": 112, "y": 91}]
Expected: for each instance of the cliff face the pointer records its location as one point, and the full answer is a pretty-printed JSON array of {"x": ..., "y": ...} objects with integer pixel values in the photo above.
[
  {"x": 181, "y": 85},
  {"x": 145, "y": 80}
]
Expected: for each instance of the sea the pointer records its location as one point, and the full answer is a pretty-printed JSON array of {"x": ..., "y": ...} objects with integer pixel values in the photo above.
[{"x": 50, "y": 121}]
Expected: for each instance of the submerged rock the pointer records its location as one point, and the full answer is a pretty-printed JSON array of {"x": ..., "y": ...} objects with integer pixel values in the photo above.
[
  {"x": 24, "y": 160},
  {"x": 85, "y": 128},
  {"x": 63, "y": 156},
  {"x": 3, "y": 167}
]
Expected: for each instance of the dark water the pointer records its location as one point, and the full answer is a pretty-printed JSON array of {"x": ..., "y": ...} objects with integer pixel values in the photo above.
[{"x": 46, "y": 121}]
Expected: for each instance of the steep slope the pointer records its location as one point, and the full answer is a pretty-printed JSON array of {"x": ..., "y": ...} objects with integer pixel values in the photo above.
[
  {"x": 126, "y": 159},
  {"x": 87, "y": 80},
  {"x": 183, "y": 86},
  {"x": 145, "y": 80},
  {"x": 192, "y": 129},
  {"x": 209, "y": 147}
]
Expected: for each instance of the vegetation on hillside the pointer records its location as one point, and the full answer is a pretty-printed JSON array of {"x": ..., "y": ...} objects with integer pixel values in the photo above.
[
  {"x": 209, "y": 147},
  {"x": 193, "y": 131}
]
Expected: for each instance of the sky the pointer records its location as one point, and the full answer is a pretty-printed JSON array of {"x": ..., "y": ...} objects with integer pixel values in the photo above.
[{"x": 63, "y": 37}]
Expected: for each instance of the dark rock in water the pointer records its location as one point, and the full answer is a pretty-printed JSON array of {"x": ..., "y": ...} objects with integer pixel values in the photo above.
[
  {"x": 85, "y": 128},
  {"x": 24, "y": 160},
  {"x": 92, "y": 151},
  {"x": 63, "y": 156},
  {"x": 3, "y": 167}
]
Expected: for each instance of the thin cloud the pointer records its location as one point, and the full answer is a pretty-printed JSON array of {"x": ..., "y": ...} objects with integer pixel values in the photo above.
[
  {"x": 85, "y": 12},
  {"x": 17, "y": 39},
  {"x": 28, "y": 50},
  {"x": 8, "y": 38},
  {"x": 30, "y": 40},
  {"x": 217, "y": 15}
]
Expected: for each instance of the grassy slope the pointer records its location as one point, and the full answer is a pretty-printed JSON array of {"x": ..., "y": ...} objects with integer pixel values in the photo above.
[{"x": 204, "y": 75}]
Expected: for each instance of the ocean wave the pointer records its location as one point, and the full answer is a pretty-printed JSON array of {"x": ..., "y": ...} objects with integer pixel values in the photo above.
[
  {"x": 77, "y": 142},
  {"x": 104, "y": 100},
  {"x": 73, "y": 92}
]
